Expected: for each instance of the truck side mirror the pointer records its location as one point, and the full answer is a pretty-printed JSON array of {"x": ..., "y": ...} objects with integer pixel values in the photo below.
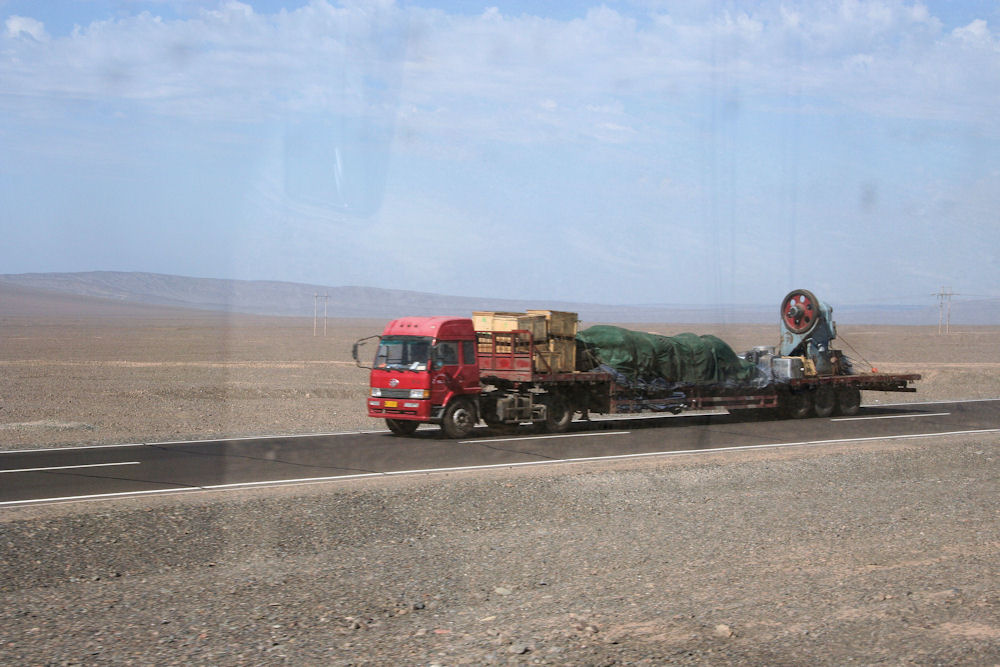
[{"x": 356, "y": 348}]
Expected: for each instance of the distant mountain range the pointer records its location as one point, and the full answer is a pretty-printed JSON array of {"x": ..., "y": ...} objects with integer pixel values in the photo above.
[{"x": 296, "y": 299}]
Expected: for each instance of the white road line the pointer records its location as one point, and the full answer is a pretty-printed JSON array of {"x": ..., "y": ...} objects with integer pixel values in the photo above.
[
  {"x": 88, "y": 465},
  {"x": 255, "y": 437},
  {"x": 906, "y": 404},
  {"x": 543, "y": 437},
  {"x": 588, "y": 459},
  {"x": 186, "y": 442},
  {"x": 326, "y": 435},
  {"x": 857, "y": 419},
  {"x": 97, "y": 496}
]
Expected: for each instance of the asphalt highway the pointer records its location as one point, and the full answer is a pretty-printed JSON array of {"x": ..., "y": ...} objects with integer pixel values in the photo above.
[{"x": 86, "y": 473}]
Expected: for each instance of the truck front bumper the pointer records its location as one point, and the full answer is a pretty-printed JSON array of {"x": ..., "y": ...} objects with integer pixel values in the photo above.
[{"x": 399, "y": 408}]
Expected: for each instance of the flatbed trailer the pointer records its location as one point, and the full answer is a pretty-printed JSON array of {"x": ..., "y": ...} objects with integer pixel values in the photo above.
[{"x": 508, "y": 364}]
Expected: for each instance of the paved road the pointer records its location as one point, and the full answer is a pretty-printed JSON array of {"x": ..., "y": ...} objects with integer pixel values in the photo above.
[{"x": 60, "y": 475}]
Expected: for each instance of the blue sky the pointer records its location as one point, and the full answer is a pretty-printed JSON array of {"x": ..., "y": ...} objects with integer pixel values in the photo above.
[{"x": 625, "y": 152}]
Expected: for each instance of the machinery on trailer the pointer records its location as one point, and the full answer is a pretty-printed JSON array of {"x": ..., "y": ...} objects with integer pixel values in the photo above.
[{"x": 507, "y": 369}]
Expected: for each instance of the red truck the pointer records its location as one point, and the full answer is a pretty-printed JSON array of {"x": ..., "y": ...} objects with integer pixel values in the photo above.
[{"x": 441, "y": 370}]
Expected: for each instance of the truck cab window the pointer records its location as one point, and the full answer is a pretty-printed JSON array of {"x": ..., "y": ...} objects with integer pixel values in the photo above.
[
  {"x": 468, "y": 352},
  {"x": 403, "y": 353},
  {"x": 446, "y": 354}
]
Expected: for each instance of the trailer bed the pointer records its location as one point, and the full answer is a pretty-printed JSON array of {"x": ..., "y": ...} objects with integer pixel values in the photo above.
[{"x": 508, "y": 359}]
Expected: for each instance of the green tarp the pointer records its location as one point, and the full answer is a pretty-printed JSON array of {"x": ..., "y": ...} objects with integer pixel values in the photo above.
[{"x": 686, "y": 358}]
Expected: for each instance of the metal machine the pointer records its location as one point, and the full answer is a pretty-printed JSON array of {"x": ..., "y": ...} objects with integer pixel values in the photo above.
[{"x": 807, "y": 329}]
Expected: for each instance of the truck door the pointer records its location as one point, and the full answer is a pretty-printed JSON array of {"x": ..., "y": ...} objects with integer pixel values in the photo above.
[
  {"x": 469, "y": 368},
  {"x": 454, "y": 367}
]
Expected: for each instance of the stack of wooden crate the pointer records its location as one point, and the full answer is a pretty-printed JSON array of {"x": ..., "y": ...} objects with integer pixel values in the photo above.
[
  {"x": 487, "y": 322},
  {"x": 560, "y": 339},
  {"x": 553, "y": 333}
]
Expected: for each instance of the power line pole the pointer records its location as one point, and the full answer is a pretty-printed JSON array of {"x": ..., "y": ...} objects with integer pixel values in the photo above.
[
  {"x": 326, "y": 300},
  {"x": 944, "y": 309}
]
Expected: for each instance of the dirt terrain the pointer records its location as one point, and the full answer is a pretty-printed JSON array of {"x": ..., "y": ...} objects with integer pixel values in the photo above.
[{"x": 882, "y": 552}]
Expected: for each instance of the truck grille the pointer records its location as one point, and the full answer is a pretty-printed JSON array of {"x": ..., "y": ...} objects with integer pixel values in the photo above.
[{"x": 395, "y": 393}]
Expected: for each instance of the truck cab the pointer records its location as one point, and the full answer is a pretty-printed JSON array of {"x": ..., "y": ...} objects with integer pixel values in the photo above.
[{"x": 425, "y": 371}]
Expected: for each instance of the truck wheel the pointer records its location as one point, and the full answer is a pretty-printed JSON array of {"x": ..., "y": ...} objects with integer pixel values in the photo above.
[
  {"x": 402, "y": 426},
  {"x": 459, "y": 418},
  {"x": 848, "y": 400},
  {"x": 824, "y": 400},
  {"x": 558, "y": 415},
  {"x": 797, "y": 406}
]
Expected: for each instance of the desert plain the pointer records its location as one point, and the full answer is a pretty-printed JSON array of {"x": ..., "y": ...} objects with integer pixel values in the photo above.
[{"x": 876, "y": 552}]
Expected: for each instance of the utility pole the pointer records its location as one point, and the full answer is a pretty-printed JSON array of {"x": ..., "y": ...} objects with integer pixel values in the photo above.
[
  {"x": 944, "y": 309},
  {"x": 326, "y": 300}
]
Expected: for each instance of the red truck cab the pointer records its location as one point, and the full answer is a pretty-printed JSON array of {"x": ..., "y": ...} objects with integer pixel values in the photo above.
[{"x": 425, "y": 371}]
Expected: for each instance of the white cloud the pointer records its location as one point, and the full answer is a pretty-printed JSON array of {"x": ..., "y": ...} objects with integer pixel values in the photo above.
[
  {"x": 20, "y": 26},
  {"x": 471, "y": 74},
  {"x": 976, "y": 32}
]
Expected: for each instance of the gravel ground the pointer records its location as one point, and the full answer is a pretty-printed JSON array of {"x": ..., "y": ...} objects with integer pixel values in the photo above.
[
  {"x": 882, "y": 553},
  {"x": 876, "y": 553}
]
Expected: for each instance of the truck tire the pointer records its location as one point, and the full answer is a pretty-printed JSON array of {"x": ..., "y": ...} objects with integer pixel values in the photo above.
[
  {"x": 402, "y": 426},
  {"x": 824, "y": 400},
  {"x": 797, "y": 405},
  {"x": 558, "y": 415},
  {"x": 848, "y": 400},
  {"x": 459, "y": 418}
]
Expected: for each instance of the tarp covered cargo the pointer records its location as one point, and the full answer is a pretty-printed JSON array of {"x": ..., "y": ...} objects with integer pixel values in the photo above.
[{"x": 687, "y": 358}]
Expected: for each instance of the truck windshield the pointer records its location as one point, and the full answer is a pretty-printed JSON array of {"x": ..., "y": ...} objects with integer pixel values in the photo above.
[{"x": 409, "y": 353}]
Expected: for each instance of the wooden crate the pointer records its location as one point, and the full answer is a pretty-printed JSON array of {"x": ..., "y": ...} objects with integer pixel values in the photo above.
[
  {"x": 483, "y": 320},
  {"x": 501, "y": 342},
  {"x": 557, "y": 356},
  {"x": 484, "y": 343},
  {"x": 560, "y": 323}
]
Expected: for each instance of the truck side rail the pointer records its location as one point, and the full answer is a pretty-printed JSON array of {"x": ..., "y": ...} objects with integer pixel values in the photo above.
[
  {"x": 681, "y": 397},
  {"x": 508, "y": 354},
  {"x": 898, "y": 382},
  {"x": 511, "y": 356}
]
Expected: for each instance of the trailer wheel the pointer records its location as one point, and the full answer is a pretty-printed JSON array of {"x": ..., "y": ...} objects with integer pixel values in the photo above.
[
  {"x": 402, "y": 426},
  {"x": 459, "y": 418},
  {"x": 798, "y": 405},
  {"x": 558, "y": 415},
  {"x": 848, "y": 400},
  {"x": 824, "y": 400}
]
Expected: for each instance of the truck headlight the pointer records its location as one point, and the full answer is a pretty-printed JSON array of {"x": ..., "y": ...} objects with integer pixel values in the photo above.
[
  {"x": 376, "y": 391},
  {"x": 420, "y": 393}
]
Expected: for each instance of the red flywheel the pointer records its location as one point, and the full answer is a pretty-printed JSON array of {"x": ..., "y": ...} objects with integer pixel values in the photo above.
[{"x": 800, "y": 311}]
